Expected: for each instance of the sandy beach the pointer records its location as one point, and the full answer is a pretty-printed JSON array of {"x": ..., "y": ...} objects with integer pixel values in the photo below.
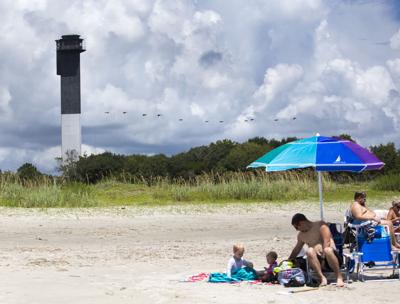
[{"x": 141, "y": 255}]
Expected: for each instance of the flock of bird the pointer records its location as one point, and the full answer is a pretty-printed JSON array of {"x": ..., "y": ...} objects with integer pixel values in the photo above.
[{"x": 206, "y": 121}]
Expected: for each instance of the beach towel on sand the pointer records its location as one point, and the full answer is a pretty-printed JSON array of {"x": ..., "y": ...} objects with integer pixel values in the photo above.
[
  {"x": 197, "y": 278},
  {"x": 243, "y": 274}
]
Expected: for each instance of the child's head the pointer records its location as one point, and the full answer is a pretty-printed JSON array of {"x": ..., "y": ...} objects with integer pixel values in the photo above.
[
  {"x": 272, "y": 256},
  {"x": 238, "y": 250}
]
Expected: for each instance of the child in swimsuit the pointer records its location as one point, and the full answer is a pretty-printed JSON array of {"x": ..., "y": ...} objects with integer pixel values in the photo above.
[
  {"x": 236, "y": 262},
  {"x": 269, "y": 275}
]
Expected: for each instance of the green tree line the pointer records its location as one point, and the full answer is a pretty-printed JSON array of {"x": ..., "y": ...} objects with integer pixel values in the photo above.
[{"x": 219, "y": 157}]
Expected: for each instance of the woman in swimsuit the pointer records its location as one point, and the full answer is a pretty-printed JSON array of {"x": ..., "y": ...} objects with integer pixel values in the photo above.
[{"x": 394, "y": 215}]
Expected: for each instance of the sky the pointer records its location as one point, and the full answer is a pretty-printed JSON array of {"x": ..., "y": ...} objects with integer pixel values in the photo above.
[{"x": 201, "y": 71}]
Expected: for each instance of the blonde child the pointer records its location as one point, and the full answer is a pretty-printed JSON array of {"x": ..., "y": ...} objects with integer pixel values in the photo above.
[{"x": 236, "y": 262}]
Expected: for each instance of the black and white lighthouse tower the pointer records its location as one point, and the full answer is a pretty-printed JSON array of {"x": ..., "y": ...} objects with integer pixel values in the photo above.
[{"x": 69, "y": 48}]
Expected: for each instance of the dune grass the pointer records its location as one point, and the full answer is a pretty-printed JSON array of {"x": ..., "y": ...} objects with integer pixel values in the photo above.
[
  {"x": 387, "y": 183},
  {"x": 47, "y": 192}
]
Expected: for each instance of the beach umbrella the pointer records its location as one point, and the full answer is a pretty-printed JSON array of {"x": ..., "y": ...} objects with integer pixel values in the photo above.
[{"x": 322, "y": 153}]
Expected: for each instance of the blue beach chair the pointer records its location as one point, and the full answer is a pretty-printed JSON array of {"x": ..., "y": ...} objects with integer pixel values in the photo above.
[{"x": 372, "y": 249}]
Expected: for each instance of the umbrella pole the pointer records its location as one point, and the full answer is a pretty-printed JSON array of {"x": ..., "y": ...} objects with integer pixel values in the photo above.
[{"x": 321, "y": 207}]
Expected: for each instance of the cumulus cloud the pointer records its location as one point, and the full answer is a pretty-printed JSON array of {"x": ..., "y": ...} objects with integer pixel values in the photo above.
[
  {"x": 277, "y": 82},
  {"x": 5, "y": 99},
  {"x": 155, "y": 71},
  {"x": 394, "y": 67},
  {"x": 395, "y": 41}
]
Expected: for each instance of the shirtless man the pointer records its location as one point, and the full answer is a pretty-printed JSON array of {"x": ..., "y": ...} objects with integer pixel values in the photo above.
[
  {"x": 321, "y": 247},
  {"x": 361, "y": 213}
]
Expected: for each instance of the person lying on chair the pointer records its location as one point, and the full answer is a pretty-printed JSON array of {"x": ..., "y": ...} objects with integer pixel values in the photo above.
[
  {"x": 321, "y": 250},
  {"x": 360, "y": 213}
]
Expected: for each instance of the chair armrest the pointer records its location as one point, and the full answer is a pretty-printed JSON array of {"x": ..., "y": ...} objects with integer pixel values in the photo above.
[
  {"x": 352, "y": 255},
  {"x": 360, "y": 225}
]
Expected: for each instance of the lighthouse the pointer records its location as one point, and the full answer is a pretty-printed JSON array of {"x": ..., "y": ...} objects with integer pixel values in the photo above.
[{"x": 69, "y": 48}]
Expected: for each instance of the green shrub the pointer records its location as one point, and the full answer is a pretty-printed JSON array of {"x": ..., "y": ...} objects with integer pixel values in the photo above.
[
  {"x": 387, "y": 183},
  {"x": 28, "y": 171}
]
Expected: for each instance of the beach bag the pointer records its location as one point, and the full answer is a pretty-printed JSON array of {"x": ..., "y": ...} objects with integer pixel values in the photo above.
[
  {"x": 292, "y": 277},
  {"x": 300, "y": 262}
]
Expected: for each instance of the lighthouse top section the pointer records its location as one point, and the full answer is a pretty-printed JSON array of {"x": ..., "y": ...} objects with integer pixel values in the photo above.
[
  {"x": 70, "y": 43},
  {"x": 68, "y": 49}
]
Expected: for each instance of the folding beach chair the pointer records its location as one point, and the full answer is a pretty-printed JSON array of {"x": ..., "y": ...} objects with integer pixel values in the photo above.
[{"x": 372, "y": 249}]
